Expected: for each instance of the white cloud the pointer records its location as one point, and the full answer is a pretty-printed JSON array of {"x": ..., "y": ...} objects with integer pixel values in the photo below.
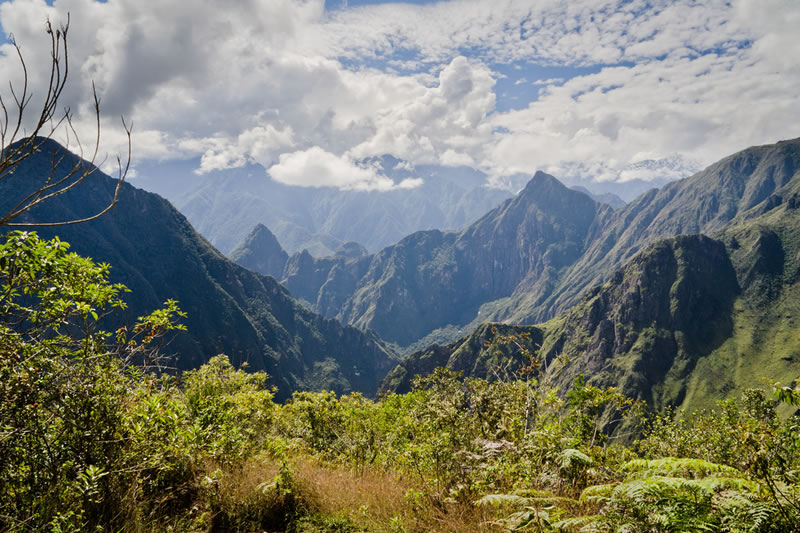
[
  {"x": 448, "y": 117},
  {"x": 261, "y": 144},
  {"x": 274, "y": 81},
  {"x": 315, "y": 167},
  {"x": 451, "y": 158}
]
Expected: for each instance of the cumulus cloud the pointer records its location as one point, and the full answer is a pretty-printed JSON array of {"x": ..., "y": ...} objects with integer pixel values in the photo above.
[
  {"x": 447, "y": 117},
  {"x": 306, "y": 93},
  {"x": 680, "y": 105},
  {"x": 315, "y": 167}
]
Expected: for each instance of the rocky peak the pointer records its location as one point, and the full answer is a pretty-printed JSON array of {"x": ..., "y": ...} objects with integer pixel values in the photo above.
[{"x": 261, "y": 252}]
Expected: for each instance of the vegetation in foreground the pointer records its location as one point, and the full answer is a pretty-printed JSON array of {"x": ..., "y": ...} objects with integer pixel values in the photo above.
[{"x": 93, "y": 436}]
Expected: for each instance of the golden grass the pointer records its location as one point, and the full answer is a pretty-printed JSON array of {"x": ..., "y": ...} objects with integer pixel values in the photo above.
[
  {"x": 233, "y": 498},
  {"x": 379, "y": 501}
]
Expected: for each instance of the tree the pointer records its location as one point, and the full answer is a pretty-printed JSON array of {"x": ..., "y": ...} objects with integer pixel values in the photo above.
[
  {"x": 17, "y": 145},
  {"x": 65, "y": 384}
]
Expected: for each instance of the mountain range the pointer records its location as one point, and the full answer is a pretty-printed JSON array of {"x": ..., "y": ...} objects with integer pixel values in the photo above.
[
  {"x": 225, "y": 205},
  {"x": 687, "y": 318},
  {"x": 156, "y": 253},
  {"x": 679, "y": 297},
  {"x": 532, "y": 257}
]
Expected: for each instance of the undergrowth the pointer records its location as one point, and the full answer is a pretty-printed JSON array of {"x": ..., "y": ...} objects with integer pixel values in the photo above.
[{"x": 93, "y": 437}]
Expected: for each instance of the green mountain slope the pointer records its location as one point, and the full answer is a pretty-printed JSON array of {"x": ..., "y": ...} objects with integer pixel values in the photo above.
[
  {"x": 685, "y": 322},
  {"x": 155, "y": 252},
  {"x": 703, "y": 203},
  {"x": 481, "y": 354}
]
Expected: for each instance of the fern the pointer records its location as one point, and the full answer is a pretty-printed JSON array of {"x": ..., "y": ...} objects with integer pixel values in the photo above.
[
  {"x": 579, "y": 523},
  {"x": 571, "y": 459},
  {"x": 678, "y": 494},
  {"x": 545, "y": 498},
  {"x": 597, "y": 493},
  {"x": 672, "y": 466},
  {"x": 498, "y": 500}
]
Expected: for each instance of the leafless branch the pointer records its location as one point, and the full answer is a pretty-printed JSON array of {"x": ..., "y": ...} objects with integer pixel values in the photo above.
[{"x": 16, "y": 145}]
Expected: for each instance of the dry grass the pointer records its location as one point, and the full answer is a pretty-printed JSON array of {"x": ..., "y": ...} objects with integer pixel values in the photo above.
[
  {"x": 319, "y": 498},
  {"x": 378, "y": 501},
  {"x": 243, "y": 498}
]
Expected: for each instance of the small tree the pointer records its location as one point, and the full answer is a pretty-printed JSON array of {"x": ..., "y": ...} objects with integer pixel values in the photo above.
[
  {"x": 64, "y": 383},
  {"x": 49, "y": 122}
]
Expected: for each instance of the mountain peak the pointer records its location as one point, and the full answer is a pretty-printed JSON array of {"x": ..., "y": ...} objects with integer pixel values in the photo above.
[
  {"x": 549, "y": 195},
  {"x": 261, "y": 252},
  {"x": 543, "y": 179}
]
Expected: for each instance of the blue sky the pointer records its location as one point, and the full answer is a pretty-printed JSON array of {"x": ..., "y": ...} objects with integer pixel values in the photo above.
[{"x": 587, "y": 89}]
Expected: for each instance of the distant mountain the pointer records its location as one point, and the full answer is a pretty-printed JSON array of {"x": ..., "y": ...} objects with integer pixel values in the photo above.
[
  {"x": 225, "y": 205},
  {"x": 433, "y": 279},
  {"x": 261, "y": 252},
  {"x": 155, "y": 252},
  {"x": 637, "y": 178},
  {"x": 607, "y": 198}
]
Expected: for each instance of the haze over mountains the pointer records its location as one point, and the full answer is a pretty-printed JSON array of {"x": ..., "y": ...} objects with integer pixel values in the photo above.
[
  {"x": 688, "y": 319},
  {"x": 225, "y": 206}
]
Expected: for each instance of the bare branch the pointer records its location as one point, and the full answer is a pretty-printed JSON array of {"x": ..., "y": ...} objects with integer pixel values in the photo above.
[{"x": 15, "y": 149}]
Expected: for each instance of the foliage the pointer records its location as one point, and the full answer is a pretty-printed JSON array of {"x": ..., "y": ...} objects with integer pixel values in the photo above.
[{"x": 94, "y": 435}]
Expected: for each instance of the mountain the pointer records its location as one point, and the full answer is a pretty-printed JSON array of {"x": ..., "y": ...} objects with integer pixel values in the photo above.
[
  {"x": 688, "y": 319},
  {"x": 608, "y": 198},
  {"x": 485, "y": 353},
  {"x": 635, "y": 179},
  {"x": 433, "y": 279},
  {"x": 261, "y": 252},
  {"x": 225, "y": 205},
  {"x": 155, "y": 252},
  {"x": 703, "y": 203}
]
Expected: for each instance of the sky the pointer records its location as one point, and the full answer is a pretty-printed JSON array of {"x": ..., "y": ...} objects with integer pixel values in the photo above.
[{"x": 596, "y": 90}]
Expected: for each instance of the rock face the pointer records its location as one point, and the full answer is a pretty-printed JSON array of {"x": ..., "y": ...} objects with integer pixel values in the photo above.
[
  {"x": 261, "y": 252},
  {"x": 645, "y": 329},
  {"x": 155, "y": 252}
]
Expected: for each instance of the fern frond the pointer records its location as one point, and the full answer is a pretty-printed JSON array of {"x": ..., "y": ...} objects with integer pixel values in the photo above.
[
  {"x": 597, "y": 493},
  {"x": 497, "y": 500},
  {"x": 718, "y": 484},
  {"x": 533, "y": 493},
  {"x": 572, "y": 458},
  {"x": 576, "y": 522},
  {"x": 672, "y": 466}
]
